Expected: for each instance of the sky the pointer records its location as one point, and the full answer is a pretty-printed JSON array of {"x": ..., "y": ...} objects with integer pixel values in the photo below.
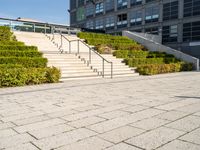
[{"x": 51, "y": 11}]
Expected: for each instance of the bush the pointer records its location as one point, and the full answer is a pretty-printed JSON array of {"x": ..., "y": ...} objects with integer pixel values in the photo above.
[
  {"x": 130, "y": 54},
  {"x": 153, "y": 69},
  {"x": 26, "y": 62},
  {"x": 11, "y": 43},
  {"x": 15, "y": 53},
  {"x": 18, "y": 47},
  {"x": 135, "y": 62},
  {"x": 5, "y": 34},
  {"x": 121, "y": 53},
  {"x": 8, "y": 66},
  {"x": 28, "y": 76},
  {"x": 158, "y": 55}
]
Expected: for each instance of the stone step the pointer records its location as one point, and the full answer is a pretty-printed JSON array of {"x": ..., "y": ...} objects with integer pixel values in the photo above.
[
  {"x": 86, "y": 74},
  {"x": 80, "y": 78}
]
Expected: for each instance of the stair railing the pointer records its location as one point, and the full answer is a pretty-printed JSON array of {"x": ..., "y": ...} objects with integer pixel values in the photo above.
[{"x": 91, "y": 50}]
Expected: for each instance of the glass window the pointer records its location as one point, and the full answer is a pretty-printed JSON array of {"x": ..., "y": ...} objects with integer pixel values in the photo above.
[
  {"x": 191, "y": 31},
  {"x": 121, "y": 4},
  {"x": 191, "y": 8},
  {"x": 80, "y": 14},
  {"x": 152, "y": 14},
  {"x": 99, "y": 8},
  {"x": 99, "y": 23},
  {"x": 170, "y": 10},
  {"x": 122, "y": 20},
  {"x": 110, "y": 22},
  {"x": 170, "y": 34},
  {"x": 147, "y": 1},
  {"x": 89, "y": 10},
  {"x": 152, "y": 30},
  {"x": 80, "y": 2},
  {"x": 136, "y": 2},
  {"x": 72, "y": 4},
  {"x": 90, "y": 24},
  {"x": 109, "y": 4},
  {"x": 136, "y": 17}
]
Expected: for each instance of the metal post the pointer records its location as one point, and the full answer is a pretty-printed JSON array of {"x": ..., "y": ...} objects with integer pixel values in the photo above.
[
  {"x": 111, "y": 70},
  {"x": 61, "y": 44},
  {"x": 45, "y": 30},
  {"x": 90, "y": 56},
  {"x": 103, "y": 69},
  {"x": 78, "y": 47},
  {"x": 53, "y": 33},
  {"x": 69, "y": 46}
]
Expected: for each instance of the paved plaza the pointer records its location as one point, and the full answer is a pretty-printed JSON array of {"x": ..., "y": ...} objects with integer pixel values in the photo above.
[{"x": 140, "y": 113}]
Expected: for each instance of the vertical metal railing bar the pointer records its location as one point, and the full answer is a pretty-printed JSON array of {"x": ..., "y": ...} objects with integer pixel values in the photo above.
[
  {"x": 90, "y": 55},
  {"x": 111, "y": 70},
  {"x": 78, "y": 46},
  {"x": 103, "y": 67}
]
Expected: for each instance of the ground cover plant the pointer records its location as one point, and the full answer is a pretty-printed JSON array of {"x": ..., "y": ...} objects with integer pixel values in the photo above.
[
  {"x": 22, "y": 65},
  {"x": 135, "y": 55}
]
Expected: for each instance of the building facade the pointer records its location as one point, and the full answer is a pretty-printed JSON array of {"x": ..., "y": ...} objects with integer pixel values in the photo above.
[{"x": 177, "y": 22}]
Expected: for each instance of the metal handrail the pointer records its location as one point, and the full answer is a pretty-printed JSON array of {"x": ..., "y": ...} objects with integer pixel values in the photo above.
[{"x": 90, "y": 49}]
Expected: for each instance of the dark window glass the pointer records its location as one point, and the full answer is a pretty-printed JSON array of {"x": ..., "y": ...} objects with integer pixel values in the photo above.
[
  {"x": 169, "y": 34},
  {"x": 191, "y": 32},
  {"x": 136, "y": 2},
  {"x": 122, "y": 20},
  {"x": 191, "y": 8},
  {"x": 121, "y": 4},
  {"x": 170, "y": 10}
]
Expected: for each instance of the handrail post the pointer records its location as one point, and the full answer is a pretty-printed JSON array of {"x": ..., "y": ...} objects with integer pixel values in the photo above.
[
  {"x": 103, "y": 71},
  {"x": 78, "y": 47},
  {"x": 45, "y": 30},
  {"x": 90, "y": 56},
  {"x": 70, "y": 47},
  {"x": 111, "y": 70},
  {"x": 33, "y": 27},
  {"x": 61, "y": 44}
]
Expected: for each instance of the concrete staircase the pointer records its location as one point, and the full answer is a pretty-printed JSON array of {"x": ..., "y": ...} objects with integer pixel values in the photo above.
[
  {"x": 70, "y": 65},
  {"x": 74, "y": 65}
]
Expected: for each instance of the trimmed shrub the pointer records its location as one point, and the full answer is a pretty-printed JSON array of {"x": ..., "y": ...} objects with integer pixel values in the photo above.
[
  {"x": 153, "y": 69},
  {"x": 11, "y": 43},
  {"x": 27, "y": 62},
  {"x": 28, "y": 76},
  {"x": 121, "y": 53},
  {"x": 130, "y": 54},
  {"x": 18, "y": 47},
  {"x": 135, "y": 62},
  {"x": 158, "y": 55},
  {"x": 9, "y": 66},
  {"x": 5, "y": 34},
  {"x": 15, "y": 53}
]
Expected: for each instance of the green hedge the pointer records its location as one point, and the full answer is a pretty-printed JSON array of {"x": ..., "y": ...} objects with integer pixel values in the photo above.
[
  {"x": 26, "y": 62},
  {"x": 12, "y": 53},
  {"x": 28, "y": 76},
  {"x": 134, "y": 62},
  {"x": 9, "y": 66},
  {"x": 2, "y": 43},
  {"x": 153, "y": 69},
  {"x": 158, "y": 55},
  {"x": 115, "y": 42},
  {"x": 130, "y": 54},
  {"x": 5, "y": 34},
  {"x": 18, "y": 47},
  {"x": 89, "y": 35}
]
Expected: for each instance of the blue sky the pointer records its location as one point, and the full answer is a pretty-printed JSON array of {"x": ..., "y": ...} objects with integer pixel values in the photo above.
[{"x": 54, "y": 11}]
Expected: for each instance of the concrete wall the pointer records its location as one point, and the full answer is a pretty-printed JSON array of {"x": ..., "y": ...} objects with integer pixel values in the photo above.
[{"x": 154, "y": 46}]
